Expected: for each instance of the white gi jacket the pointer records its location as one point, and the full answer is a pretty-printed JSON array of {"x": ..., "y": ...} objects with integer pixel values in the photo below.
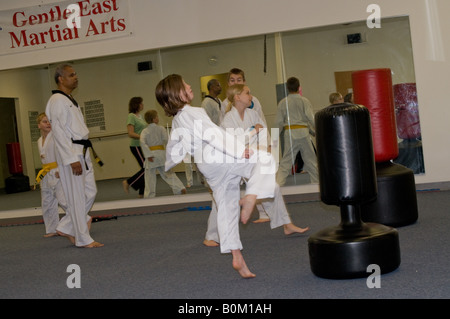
[
  {"x": 256, "y": 107},
  {"x": 243, "y": 129},
  {"x": 195, "y": 134},
  {"x": 48, "y": 155},
  {"x": 212, "y": 108},
  {"x": 154, "y": 135},
  {"x": 67, "y": 123}
]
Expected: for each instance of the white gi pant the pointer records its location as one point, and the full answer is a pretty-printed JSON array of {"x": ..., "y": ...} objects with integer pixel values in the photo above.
[
  {"x": 300, "y": 142},
  {"x": 80, "y": 192},
  {"x": 275, "y": 208},
  {"x": 169, "y": 177},
  {"x": 51, "y": 195},
  {"x": 224, "y": 180}
]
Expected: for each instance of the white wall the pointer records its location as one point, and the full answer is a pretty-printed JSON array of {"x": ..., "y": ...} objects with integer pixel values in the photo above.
[
  {"x": 314, "y": 55},
  {"x": 168, "y": 23}
]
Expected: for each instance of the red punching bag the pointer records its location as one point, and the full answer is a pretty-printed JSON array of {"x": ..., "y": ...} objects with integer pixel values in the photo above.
[
  {"x": 373, "y": 89},
  {"x": 14, "y": 158}
]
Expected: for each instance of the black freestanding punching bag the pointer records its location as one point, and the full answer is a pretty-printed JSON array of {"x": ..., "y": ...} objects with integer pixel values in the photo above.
[{"x": 347, "y": 178}]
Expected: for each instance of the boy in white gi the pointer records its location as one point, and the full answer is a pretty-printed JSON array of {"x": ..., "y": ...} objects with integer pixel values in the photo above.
[
  {"x": 153, "y": 142},
  {"x": 48, "y": 177},
  {"x": 246, "y": 124},
  {"x": 221, "y": 158},
  {"x": 296, "y": 117},
  {"x": 74, "y": 161}
]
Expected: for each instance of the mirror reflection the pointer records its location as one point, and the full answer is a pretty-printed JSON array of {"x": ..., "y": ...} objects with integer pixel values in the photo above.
[{"x": 322, "y": 59}]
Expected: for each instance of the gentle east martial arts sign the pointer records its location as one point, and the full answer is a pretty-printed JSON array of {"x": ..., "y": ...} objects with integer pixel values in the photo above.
[{"x": 62, "y": 23}]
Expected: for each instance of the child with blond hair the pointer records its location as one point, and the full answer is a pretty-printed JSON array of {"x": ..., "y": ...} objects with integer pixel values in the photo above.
[
  {"x": 52, "y": 195},
  {"x": 153, "y": 143}
]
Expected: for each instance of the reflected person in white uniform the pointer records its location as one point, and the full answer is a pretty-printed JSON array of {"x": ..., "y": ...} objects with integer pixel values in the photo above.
[
  {"x": 52, "y": 195},
  {"x": 295, "y": 116},
  {"x": 237, "y": 76},
  {"x": 246, "y": 124},
  {"x": 75, "y": 168},
  {"x": 153, "y": 144}
]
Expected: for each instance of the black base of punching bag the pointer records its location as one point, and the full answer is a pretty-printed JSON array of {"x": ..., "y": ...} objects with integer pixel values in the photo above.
[
  {"x": 17, "y": 183},
  {"x": 345, "y": 251},
  {"x": 396, "y": 204}
]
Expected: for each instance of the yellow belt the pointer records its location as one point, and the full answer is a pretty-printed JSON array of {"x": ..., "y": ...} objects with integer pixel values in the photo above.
[
  {"x": 157, "y": 147},
  {"x": 291, "y": 127},
  {"x": 45, "y": 169}
]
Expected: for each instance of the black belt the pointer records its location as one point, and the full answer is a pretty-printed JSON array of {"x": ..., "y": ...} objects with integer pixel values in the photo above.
[{"x": 87, "y": 144}]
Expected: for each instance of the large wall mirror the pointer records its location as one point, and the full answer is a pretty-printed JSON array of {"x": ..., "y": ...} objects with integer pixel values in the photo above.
[{"x": 320, "y": 57}]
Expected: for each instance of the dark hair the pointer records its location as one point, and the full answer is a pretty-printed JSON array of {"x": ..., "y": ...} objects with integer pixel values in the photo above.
[
  {"x": 211, "y": 83},
  {"x": 134, "y": 104},
  {"x": 293, "y": 84},
  {"x": 348, "y": 97},
  {"x": 59, "y": 71},
  {"x": 236, "y": 71},
  {"x": 169, "y": 93}
]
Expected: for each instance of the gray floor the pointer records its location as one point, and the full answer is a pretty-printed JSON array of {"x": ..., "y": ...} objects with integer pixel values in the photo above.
[{"x": 161, "y": 256}]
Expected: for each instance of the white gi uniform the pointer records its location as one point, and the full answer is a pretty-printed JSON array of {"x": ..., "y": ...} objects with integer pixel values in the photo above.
[
  {"x": 214, "y": 108},
  {"x": 294, "y": 111},
  {"x": 153, "y": 142},
  {"x": 51, "y": 190},
  {"x": 68, "y": 124},
  {"x": 275, "y": 209},
  {"x": 255, "y": 106},
  {"x": 218, "y": 156}
]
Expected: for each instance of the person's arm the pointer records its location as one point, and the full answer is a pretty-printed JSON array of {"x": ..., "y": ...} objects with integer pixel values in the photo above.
[
  {"x": 144, "y": 146},
  {"x": 310, "y": 117},
  {"x": 131, "y": 133}
]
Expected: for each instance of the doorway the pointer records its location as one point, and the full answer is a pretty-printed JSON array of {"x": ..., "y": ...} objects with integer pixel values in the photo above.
[{"x": 344, "y": 83}]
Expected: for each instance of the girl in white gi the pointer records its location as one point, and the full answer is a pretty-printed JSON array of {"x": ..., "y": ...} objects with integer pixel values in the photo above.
[
  {"x": 48, "y": 177},
  {"x": 153, "y": 141},
  {"x": 237, "y": 76},
  {"x": 246, "y": 124},
  {"x": 75, "y": 168},
  {"x": 221, "y": 158}
]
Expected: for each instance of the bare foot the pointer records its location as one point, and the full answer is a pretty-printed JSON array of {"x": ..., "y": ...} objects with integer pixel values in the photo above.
[
  {"x": 261, "y": 220},
  {"x": 247, "y": 204},
  {"x": 240, "y": 266},
  {"x": 50, "y": 235},
  {"x": 126, "y": 187},
  {"x": 290, "y": 229},
  {"x": 93, "y": 245},
  {"x": 70, "y": 238},
  {"x": 210, "y": 243},
  {"x": 183, "y": 191}
]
